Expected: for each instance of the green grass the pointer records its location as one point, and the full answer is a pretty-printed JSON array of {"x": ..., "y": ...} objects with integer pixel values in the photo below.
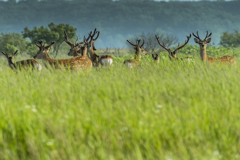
[{"x": 166, "y": 111}]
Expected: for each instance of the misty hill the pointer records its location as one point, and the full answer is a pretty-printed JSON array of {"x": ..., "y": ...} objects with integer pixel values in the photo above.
[{"x": 117, "y": 21}]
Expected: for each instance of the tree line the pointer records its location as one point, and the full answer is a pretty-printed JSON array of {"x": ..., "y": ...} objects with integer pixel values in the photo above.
[{"x": 121, "y": 20}]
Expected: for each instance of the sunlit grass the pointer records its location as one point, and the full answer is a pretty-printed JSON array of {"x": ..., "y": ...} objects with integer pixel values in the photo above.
[{"x": 156, "y": 111}]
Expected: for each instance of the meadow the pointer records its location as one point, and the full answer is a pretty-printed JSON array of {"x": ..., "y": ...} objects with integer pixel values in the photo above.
[{"x": 166, "y": 111}]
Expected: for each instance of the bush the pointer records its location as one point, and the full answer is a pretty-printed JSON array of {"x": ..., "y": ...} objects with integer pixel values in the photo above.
[{"x": 230, "y": 39}]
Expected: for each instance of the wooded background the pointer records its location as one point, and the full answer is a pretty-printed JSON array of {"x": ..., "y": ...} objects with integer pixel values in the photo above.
[{"x": 120, "y": 20}]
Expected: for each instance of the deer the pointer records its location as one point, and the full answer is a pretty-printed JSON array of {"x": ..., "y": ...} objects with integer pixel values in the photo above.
[
  {"x": 75, "y": 63},
  {"x": 103, "y": 60},
  {"x": 203, "y": 53},
  {"x": 155, "y": 58},
  {"x": 75, "y": 48},
  {"x": 173, "y": 55},
  {"x": 25, "y": 64},
  {"x": 139, "y": 51}
]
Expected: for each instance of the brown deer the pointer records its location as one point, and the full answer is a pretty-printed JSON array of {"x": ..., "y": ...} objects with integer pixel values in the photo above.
[
  {"x": 173, "y": 55},
  {"x": 203, "y": 53},
  {"x": 155, "y": 58},
  {"x": 103, "y": 60},
  {"x": 139, "y": 51},
  {"x": 75, "y": 49},
  {"x": 25, "y": 64},
  {"x": 75, "y": 63}
]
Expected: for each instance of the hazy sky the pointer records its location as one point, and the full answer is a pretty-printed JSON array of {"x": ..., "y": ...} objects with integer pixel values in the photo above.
[{"x": 166, "y": 0}]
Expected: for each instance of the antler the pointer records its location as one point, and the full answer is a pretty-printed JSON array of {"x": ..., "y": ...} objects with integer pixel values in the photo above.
[
  {"x": 142, "y": 44},
  {"x": 188, "y": 38},
  {"x": 199, "y": 37},
  {"x": 207, "y": 35},
  {"x": 161, "y": 44},
  {"x": 89, "y": 36},
  {"x": 67, "y": 41},
  {"x": 15, "y": 52},
  {"x": 48, "y": 47},
  {"x": 37, "y": 45},
  {"x": 97, "y": 36},
  {"x": 5, "y": 54},
  {"x": 76, "y": 42},
  {"x": 131, "y": 43}
]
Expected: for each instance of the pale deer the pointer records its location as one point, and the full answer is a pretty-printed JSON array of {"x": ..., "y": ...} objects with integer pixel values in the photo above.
[
  {"x": 203, "y": 53},
  {"x": 155, "y": 58},
  {"x": 75, "y": 63},
  {"x": 139, "y": 51},
  {"x": 103, "y": 60},
  {"x": 173, "y": 55},
  {"x": 25, "y": 64}
]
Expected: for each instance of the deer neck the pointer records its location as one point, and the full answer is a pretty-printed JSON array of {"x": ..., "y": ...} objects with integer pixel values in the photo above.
[
  {"x": 137, "y": 55},
  {"x": 48, "y": 59},
  {"x": 84, "y": 52},
  {"x": 76, "y": 54},
  {"x": 12, "y": 66},
  {"x": 93, "y": 55},
  {"x": 203, "y": 53}
]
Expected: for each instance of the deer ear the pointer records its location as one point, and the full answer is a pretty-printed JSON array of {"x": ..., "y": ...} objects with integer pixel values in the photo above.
[
  {"x": 196, "y": 40},
  {"x": 208, "y": 40},
  {"x": 176, "y": 52}
]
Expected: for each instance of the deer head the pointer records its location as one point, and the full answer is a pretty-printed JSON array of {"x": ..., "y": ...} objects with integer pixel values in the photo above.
[
  {"x": 86, "y": 44},
  {"x": 138, "y": 48},
  {"x": 202, "y": 43},
  {"x": 155, "y": 58},
  {"x": 174, "y": 53},
  {"x": 74, "y": 47},
  {"x": 10, "y": 59},
  {"x": 41, "y": 54}
]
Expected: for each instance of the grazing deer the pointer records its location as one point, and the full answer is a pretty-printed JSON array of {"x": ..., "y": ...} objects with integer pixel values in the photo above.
[
  {"x": 155, "y": 58},
  {"x": 174, "y": 53},
  {"x": 203, "y": 45},
  {"x": 103, "y": 60},
  {"x": 139, "y": 51},
  {"x": 75, "y": 63},
  {"x": 26, "y": 64}
]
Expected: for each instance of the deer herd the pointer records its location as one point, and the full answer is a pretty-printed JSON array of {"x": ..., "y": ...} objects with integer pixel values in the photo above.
[{"x": 84, "y": 56}]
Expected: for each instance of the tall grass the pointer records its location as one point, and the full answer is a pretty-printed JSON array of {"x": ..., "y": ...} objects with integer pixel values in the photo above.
[{"x": 168, "y": 111}]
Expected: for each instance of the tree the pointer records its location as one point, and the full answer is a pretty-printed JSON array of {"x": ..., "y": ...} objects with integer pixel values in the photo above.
[
  {"x": 229, "y": 39},
  {"x": 150, "y": 42},
  {"x": 13, "y": 41},
  {"x": 52, "y": 33}
]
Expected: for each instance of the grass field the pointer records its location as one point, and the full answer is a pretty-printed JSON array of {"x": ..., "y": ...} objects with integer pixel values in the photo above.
[{"x": 165, "y": 111}]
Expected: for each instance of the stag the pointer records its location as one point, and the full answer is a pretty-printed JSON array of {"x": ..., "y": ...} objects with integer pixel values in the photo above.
[
  {"x": 139, "y": 51},
  {"x": 75, "y": 63},
  {"x": 25, "y": 64},
  {"x": 75, "y": 48},
  {"x": 103, "y": 60},
  {"x": 203, "y": 53},
  {"x": 173, "y": 55}
]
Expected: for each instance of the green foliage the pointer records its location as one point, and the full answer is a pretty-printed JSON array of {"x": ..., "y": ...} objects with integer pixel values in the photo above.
[
  {"x": 10, "y": 42},
  {"x": 32, "y": 50},
  {"x": 52, "y": 33},
  {"x": 230, "y": 39},
  {"x": 8, "y": 49},
  {"x": 170, "y": 110}
]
